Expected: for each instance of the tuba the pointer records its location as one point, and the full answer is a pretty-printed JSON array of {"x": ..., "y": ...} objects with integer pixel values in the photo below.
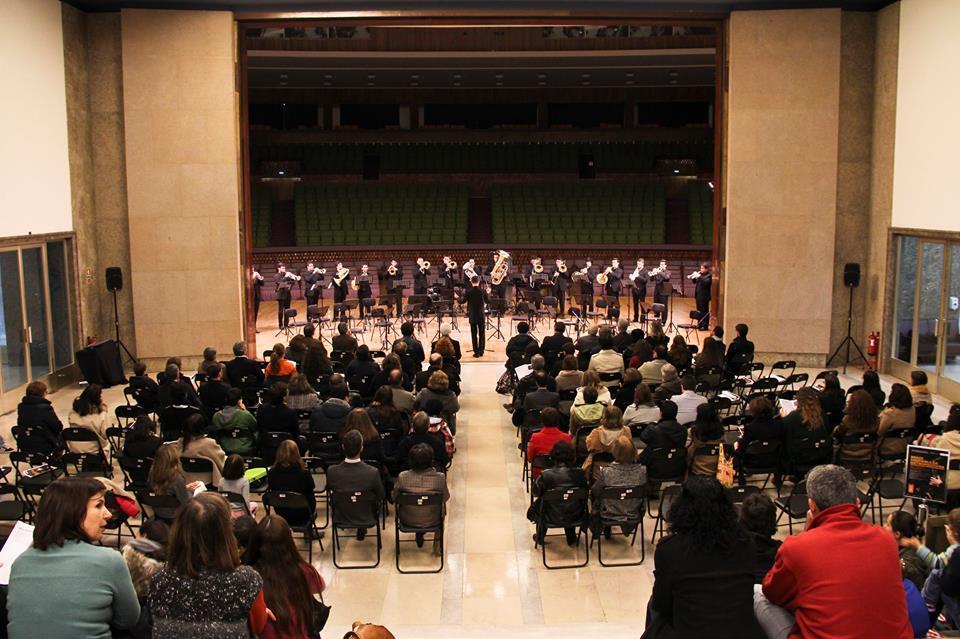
[{"x": 500, "y": 268}]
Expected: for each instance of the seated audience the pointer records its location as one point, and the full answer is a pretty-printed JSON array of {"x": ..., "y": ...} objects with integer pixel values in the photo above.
[
  {"x": 764, "y": 426},
  {"x": 438, "y": 388},
  {"x": 588, "y": 413},
  {"x": 601, "y": 440},
  {"x": 665, "y": 434},
  {"x": 296, "y": 349},
  {"x": 213, "y": 392},
  {"x": 669, "y": 385},
  {"x": 66, "y": 585},
  {"x": 592, "y": 380},
  {"x": 439, "y": 426},
  {"x": 542, "y": 441},
  {"x": 195, "y": 443},
  {"x": 518, "y": 343},
  {"x": 758, "y": 516},
  {"x": 569, "y": 378},
  {"x": 414, "y": 347},
  {"x": 274, "y": 415},
  {"x": 316, "y": 367},
  {"x": 623, "y": 472},
  {"x": 144, "y": 556},
  {"x": 650, "y": 371},
  {"x": 541, "y": 397},
  {"x": 833, "y": 399},
  {"x": 241, "y": 370},
  {"x": 950, "y": 441},
  {"x": 606, "y": 360},
  {"x": 640, "y": 351},
  {"x": 706, "y": 430},
  {"x": 704, "y": 570},
  {"x": 936, "y": 600},
  {"x": 244, "y": 529},
  {"x": 166, "y": 478},
  {"x": 208, "y": 361},
  {"x": 420, "y": 434},
  {"x": 860, "y": 417},
  {"x": 656, "y": 336},
  {"x": 422, "y": 477},
  {"x": 358, "y": 420},
  {"x": 90, "y": 413},
  {"x": 679, "y": 354},
  {"x": 408, "y": 363},
  {"x": 331, "y": 415},
  {"x": 279, "y": 368},
  {"x": 871, "y": 384},
  {"x": 563, "y": 474},
  {"x": 353, "y": 475},
  {"x": 36, "y": 411},
  {"x": 906, "y": 531},
  {"x": 445, "y": 329},
  {"x": 289, "y": 582},
  {"x": 643, "y": 410},
  {"x": 805, "y": 422},
  {"x": 436, "y": 363},
  {"x": 623, "y": 396},
  {"x": 528, "y": 383},
  {"x": 173, "y": 416},
  {"x": 290, "y": 474},
  {"x": 235, "y": 417},
  {"x": 171, "y": 383},
  {"x": 301, "y": 397},
  {"x": 710, "y": 356},
  {"x": 390, "y": 364},
  {"x": 143, "y": 386},
  {"x": 384, "y": 414},
  {"x": 449, "y": 354},
  {"x": 899, "y": 414},
  {"x": 589, "y": 342},
  {"x": 343, "y": 341},
  {"x": 740, "y": 349},
  {"x": 624, "y": 336},
  {"x": 552, "y": 345},
  {"x": 688, "y": 400},
  {"x": 918, "y": 388},
  {"x": 141, "y": 441},
  {"x": 234, "y": 481},
  {"x": 203, "y": 558},
  {"x": 821, "y": 574},
  {"x": 403, "y": 399}
]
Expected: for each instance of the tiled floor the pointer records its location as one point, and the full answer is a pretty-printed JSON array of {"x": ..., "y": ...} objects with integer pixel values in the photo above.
[{"x": 493, "y": 583}]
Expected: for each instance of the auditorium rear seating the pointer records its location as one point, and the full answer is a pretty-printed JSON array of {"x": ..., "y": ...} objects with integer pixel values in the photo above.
[
  {"x": 472, "y": 158},
  {"x": 383, "y": 213},
  {"x": 588, "y": 213},
  {"x": 260, "y": 214},
  {"x": 700, "y": 206}
]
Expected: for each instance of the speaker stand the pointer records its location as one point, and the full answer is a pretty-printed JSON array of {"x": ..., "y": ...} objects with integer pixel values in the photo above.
[
  {"x": 116, "y": 328},
  {"x": 848, "y": 341}
]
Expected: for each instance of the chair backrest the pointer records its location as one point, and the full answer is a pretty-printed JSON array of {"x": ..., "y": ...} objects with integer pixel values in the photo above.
[
  {"x": 572, "y": 504},
  {"x": 580, "y": 441},
  {"x": 666, "y": 464},
  {"x": 269, "y": 444},
  {"x": 155, "y": 501},
  {"x": 136, "y": 472},
  {"x": 610, "y": 379},
  {"x": 812, "y": 449},
  {"x": 628, "y": 499},
  {"x": 825, "y": 374},
  {"x": 197, "y": 469},
  {"x": 355, "y": 507},
  {"x": 287, "y": 501},
  {"x": 762, "y": 453},
  {"x": 738, "y": 494},
  {"x": 429, "y": 503},
  {"x": 126, "y": 414}
]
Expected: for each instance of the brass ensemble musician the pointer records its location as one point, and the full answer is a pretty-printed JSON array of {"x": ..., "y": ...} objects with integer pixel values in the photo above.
[
  {"x": 394, "y": 279},
  {"x": 312, "y": 283},
  {"x": 449, "y": 275},
  {"x": 420, "y": 275},
  {"x": 499, "y": 278},
  {"x": 257, "y": 294},
  {"x": 560, "y": 276},
  {"x": 702, "y": 293},
  {"x": 361, "y": 284},
  {"x": 639, "y": 277},
  {"x": 340, "y": 283},
  {"x": 662, "y": 288},
  {"x": 612, "y": 287},
  {"x": 585, "y": 278},
  {"x": 283, "y": 281}
]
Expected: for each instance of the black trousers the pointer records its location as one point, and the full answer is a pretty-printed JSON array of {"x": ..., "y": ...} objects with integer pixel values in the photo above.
[
  {"x": 703, "y": 306},
  {"x": 639, "y": 297},
  {"x": 282, "y": 306},
  {"x": 478, "y": 335},
  {"x": 561, "y": 296},
  {"x": 419, "y": 287},
  {"x": 256, "y": 308}
]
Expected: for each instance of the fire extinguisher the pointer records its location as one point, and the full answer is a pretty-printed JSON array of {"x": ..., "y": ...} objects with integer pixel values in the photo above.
[{"x": 873, "y": 349}]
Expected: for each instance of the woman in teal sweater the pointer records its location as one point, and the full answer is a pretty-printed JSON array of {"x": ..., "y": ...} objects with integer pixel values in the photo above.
[{"x": 64, "y": 586}]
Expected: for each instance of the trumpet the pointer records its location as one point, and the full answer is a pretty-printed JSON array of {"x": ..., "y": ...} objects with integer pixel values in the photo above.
[
  {"x": 562, "y": 266},
  {"x": 291, "y": 276},
  {"x": 425, "y": 265},
  {"x": 538, "y": 268},
  {"x": 635, "y": 274},
  {"x": 602, "y": 277},
  {"x": 694, "y": 276},
  {"x": 391, "y": 270},
  {"x": 319, "y": 271},
  {"x": 655, "y": 271}
]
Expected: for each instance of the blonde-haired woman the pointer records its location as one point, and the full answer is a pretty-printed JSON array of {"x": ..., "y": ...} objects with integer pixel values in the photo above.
[
  {"x": 602, "y": 439},
  {"x": 592, "y": 379}
]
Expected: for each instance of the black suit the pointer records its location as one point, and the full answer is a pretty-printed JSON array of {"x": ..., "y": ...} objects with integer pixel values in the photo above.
[
  {"x": 540, "y": 399},
  {"x": 586, "y": 288},
  {"x": 312, "y": 287},
  {"x": 476, "y": 299},
  {"x": 740, "y": 348},
  {"x": 702, "y": 295},
  {"x": 559, "y": 477},
  {"x": 639, "y": 292},
  {"x": 612, "y": 289},
  {"x": 355, "y": 477},
  {"x": 38, "y": 412},
  {"x": 239, "y": 367},
  {"x": 456, "y": 348},
  {"x": 395, "y": 286},
  {"x": 661, "y": 291},
  {"x": 561, "y": 284},
  {"x": 283, "y": 284},
  {"x": 420, "y": 280}
]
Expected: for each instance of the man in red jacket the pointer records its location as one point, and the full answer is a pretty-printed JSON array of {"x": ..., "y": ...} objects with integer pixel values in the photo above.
[
  {"x": 841, "y": 577},
  {"x": 541, "y": 442}
]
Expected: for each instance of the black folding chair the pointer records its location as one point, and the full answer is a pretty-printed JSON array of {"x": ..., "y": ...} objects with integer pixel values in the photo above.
[
  {"x": 197, "y": 469},
  {"x": 760, "y": 457},
  {"x": 431, "y": 503},
  {"x": 629, "y": 499},
  {"x": 576, "y": 501},
  {"x": 155, "y": 502},
  {"x": 794, "y": 505},
  {"x": 289, "y": 503},
  {"x": 136, "y": 473},
  {"x": 354, "y": 510},
  {"x": 85, "y": 463}
]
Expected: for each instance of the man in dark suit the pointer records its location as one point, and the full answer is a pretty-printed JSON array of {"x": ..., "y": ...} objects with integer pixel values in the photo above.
[
  {"x": 420, "y": 275},
  {"x": 542, "y": 396},
  {"x": 242, "y": 367},
  {"x": 612, "y": 288},
  {"x": 561, "y": 283},
  {"x": 662, "y": 288},
  {"x": 666, "y": 433},
  {"x": 702, "y": 295},
  {"x": 476, "y": 299},
  {"x": 343, "y": 340},
  {"x": 351, "y": 476},
  {"x": 171, "y": 380},
  {"x": 740, "y": 349},
  {"x": 519, "y": 342},
  {"x": 312, "y": 284},
  {"x": 639, "y": 277},
  {"x": 394, "y": 283},
  {"x": 420, "y": 434},
  {"x": 213, "y": 392},
  {"x": 436, "y": 364},
  {"x": 552, "y": 345},
  {"x": 414, "y": 347},
  {"x": 283, "y": 282}
]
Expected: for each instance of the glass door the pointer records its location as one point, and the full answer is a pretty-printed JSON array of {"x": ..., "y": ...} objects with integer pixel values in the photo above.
[
  {"x": 13, "y": 352},
  {"x": 950, "y": 331}
]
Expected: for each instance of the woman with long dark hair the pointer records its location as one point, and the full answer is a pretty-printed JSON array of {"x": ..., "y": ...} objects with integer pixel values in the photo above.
[
  {"x": 317, "y": 368},
  {"x": 833, "y": 400},
  {"x": 899, "y": 414},
  {"x": 91, "y": 413},
  {"x": 704, "y": 569},
  {"x": 195, "y": 443},
  {"x": 860, "y": 417},
  {"x": 289, "y": 583},
  {"x": 805, "y": 420}
]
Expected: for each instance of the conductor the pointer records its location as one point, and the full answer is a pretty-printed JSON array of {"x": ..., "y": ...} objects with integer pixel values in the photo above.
[{"x": 476, "y": 299}]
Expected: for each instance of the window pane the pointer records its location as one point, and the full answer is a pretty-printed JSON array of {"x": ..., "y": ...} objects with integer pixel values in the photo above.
[
  {"x": 951, "y": 356},
  {"x": 59, "y": 304},
  {"x": 35, "y": 297},
  {"x": 931, "y": 292},
  {"x": 12, "y": 353},
  {"x": 906, "y": 290}
]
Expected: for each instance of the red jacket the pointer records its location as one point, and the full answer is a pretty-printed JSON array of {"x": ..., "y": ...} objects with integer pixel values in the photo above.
[
  {"x": 541, "y": 443},
  {"x": 841, "y": 578}
]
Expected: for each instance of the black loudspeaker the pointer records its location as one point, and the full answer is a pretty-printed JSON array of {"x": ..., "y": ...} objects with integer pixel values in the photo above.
[
  {"x": 371, "y": 166},
  {"x": 114, "y": 278},
  {"x": 587, "y": 169},
  {"x": 851, "y": 274}
]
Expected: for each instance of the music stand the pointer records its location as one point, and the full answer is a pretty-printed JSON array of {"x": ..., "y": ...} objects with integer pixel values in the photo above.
[
  {"x": 671, "y": 326},
  {"x": 397, "y": 293},
  {"x": 496, "y": 306},
  {"x": 286, "y": 330},
  {"x": 628, "y": 287}
]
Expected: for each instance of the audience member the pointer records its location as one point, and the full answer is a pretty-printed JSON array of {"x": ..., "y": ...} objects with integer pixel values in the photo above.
[
  {"x": 542, "y": 441},
  {"x": 710, "y": 356},
  {"x": 167, "y": 394},
  {"x": 918, "y": 388},
  {"x": 706, "y": 430},
  {"x": 679, "y": 354},
  {"x": 898, "y": 415},
  {"x": 141, "y": 441},
  {"x": 552, "y": 344},
  {"x": 764, "y": 426},
  {"x": 166, "y": 478},
  {"x": 833, "y": 399},
  {"x": 358, "y": 420},
  {"x": 241, "y": 370},
  {"x": 568, "y": 379},
  {"x": 302, "y": 398},
  {"x": 541, "y": 397},
  {"x": 669, "y": 385},
  {"x": 408, "y": 363},
  {"x": 741, "y": 349},
  {"x": 665, "y": 434},
  {"x": 588, "y": 413},
  {"x": 351, "y": 476},
  {"x": 628, "y": 388},
  {"x": 421, "y": 478},
  {"x": 235, "y": 427},
  {"x": 643, "y": 410},
  {"x": 518, "y": 343},
  {"x": 950, "y": 441},
  {"x": 309, "y": 334},
  {"x": 90, "y": 413},
  {"x": 297, "y": 349},
  {"x": 438, "y": 388},
  {"x": 144, "y": 556},
  {"x": 439, "y": 427},
  {"x": 650, "y": 372},
  {"x": 317, "y": 368},
  {"x": 436, "y": 363},
  {"x": 860, "y": 417},
  {"x": 274, "y": 415},
  {"x": 688, "y": 400},
  {"x": 195, "y": 443},
  {"x": 758, "y": 516},
  {"x": 656, "y": 337},
  {"x": 589, "y": 342},
  {"x": 704, "y": 569},
  {"x": 624, "y": 336},
  {"x": 871, "y": 384},
  {"x": 906, "y": 531},
  {"x": 213, "y": 392},
  {"x": 934, "y": 597},
  {"x": 623, "y": 472},
  {"x": 717, "y": 334},
  {"x": 403, "y": 399},
  {"x": 65, "y": 585},
  {"x": 36, "y": 411},
  {"x": 208, "y": 361},
  {"x": 343, "y": 341},
  {"x": 331, "y": 415},
  {"x": 805, "y": 421},
  {"x": 822, "y": 574},
  {"x": 384, "y": 414},
  {"x": 203, "y": 559},
  {"x": 640, "y": 351},
  {"x": 279, "y": 368},
  {"x": 414, "y": 347},
  {"x": 606, "y": 360},
  {"x": 244, "y": 529},
  {"x": 173, "y": 416},
  {"x": 420, "y": 434},
  {"x": 290, "y": 474},
  {"x": 289, "y": 582},
  {"x": 144, "y": 387},
  {"x": 601, "y": 440},
  {"x": 592, "y": 380},
  {"x": 445, "y": 329},
  {"x": 444, "y": 347},
  {"x": 563, "y": 474},
  {"x": 235, "y": 481}
]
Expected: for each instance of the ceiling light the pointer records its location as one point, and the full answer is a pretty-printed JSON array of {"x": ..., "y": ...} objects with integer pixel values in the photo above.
[
  {"x": 456, "y": 76},
  {"x": 710, "y": 184},
  {"x": 499, "y": 76},
  {"x": 326, "y": 84},
  {"x": 585, "y": 82},
  {"x": 499, "y": 84},
  {"x": 456, "y": 84},
  {"x": 283, "y": 83},
  {"x": 283, "y": 76},
  {"x": 371, "y": 77},
  {"x": 673, "y": 81},
  {"x": 327, "y": 76},
  {"x": 584, "y": 75},
  {"x": 414, "y": 84},
  {"x": 629, "y": 81},
  {"x": 414, "y": 76},
  {"x": 673, "y": 74},
  {"x": 629, "y": 75},
  {"x": 676, "y": 171},
  {"x": 370, "y": 84},
  {"x": 541, "y": 83},
  {"x": 542, "y": 76}
]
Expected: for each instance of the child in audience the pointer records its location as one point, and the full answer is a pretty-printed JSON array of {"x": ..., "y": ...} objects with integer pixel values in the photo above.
[
  {"x": 934, "y": 599},
  {"x": 144, "y": 557},
  {"x": 438, "y": 426},
  {"x": 233, "y": 481},
  {"x": 903, "y": 525},
  {"x": 244, "y": 527}
]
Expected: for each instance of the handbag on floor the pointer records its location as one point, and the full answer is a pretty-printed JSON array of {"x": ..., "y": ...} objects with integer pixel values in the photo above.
[{"x": 725, "y": 472}]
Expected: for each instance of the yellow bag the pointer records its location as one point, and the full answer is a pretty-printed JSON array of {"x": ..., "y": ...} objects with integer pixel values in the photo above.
[{"x": 725, "y": 472}]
